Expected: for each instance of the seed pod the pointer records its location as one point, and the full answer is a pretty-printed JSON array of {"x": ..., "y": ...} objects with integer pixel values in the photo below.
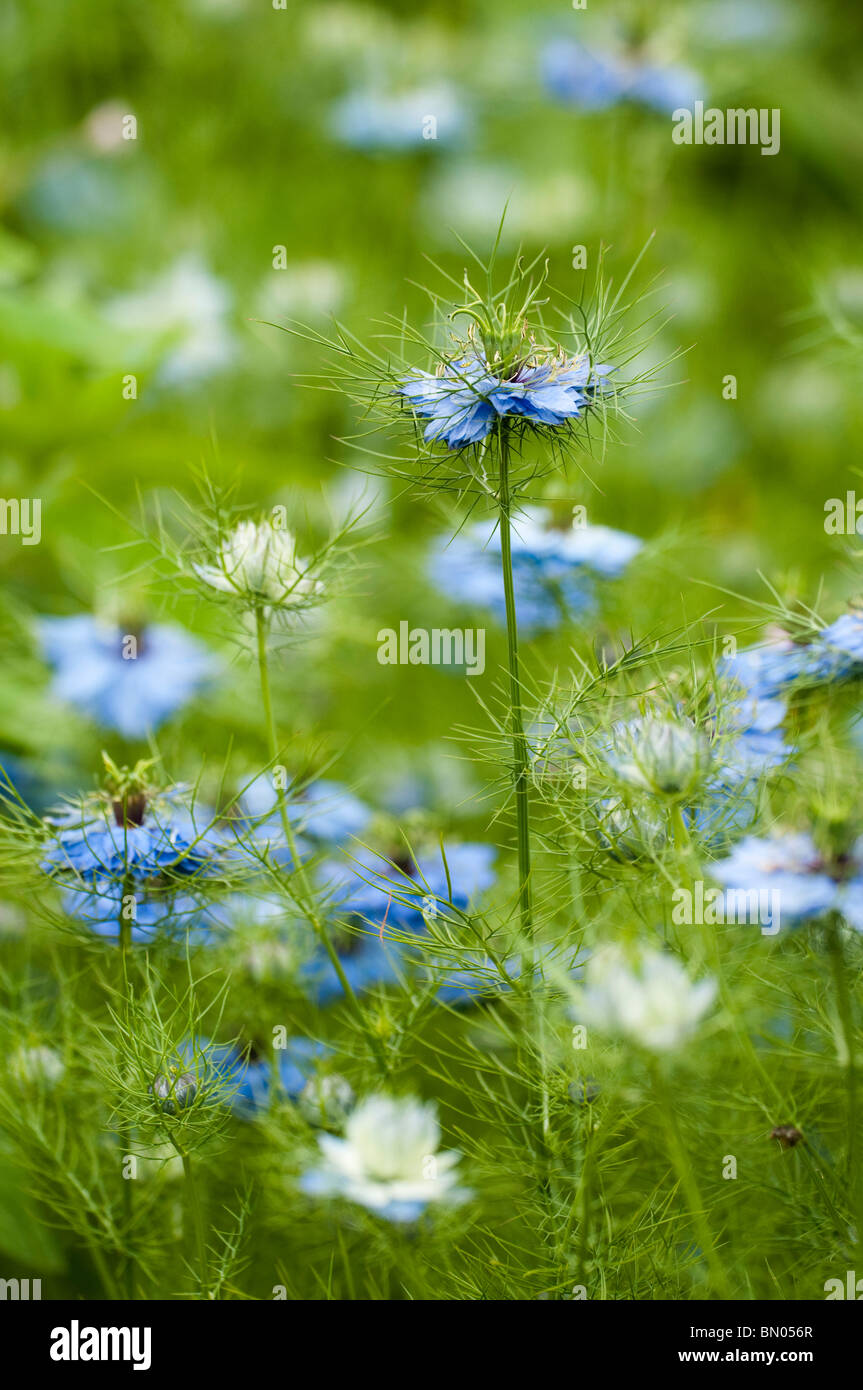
[
  {"x": 174, "y": 1092},
  {"x": 787, "y": 1135}
]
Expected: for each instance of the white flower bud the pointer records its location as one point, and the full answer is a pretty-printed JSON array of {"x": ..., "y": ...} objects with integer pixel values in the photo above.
[
  {"x": 660, "y": 755},
  {"x": 258, "y": 562}
]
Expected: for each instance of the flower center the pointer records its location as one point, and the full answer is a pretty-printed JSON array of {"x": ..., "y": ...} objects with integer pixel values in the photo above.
[{"x": 130, "y": 810}]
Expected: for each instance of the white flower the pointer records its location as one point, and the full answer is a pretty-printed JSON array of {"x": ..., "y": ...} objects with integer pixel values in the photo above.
[
  {"x": 39, "y": 1065},
  {"x": 653, "y": 1003},
  {"x": 388, "y": 1160},
  {"x": 661, "y": 755},
  {"x": 259, "y": 561}
]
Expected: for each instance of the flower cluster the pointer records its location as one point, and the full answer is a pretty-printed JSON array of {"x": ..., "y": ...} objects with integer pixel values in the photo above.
[
  {"x": 774, "y": 668},
  {"x": 806, "y": 881},
  {"x": 369, "y": 894},
  {"x": 594, "y": 80}
]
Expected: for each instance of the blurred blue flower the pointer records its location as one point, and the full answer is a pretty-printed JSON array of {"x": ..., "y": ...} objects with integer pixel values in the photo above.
[
  {"x": 754, "y": 736},
  {"x": 73, "y": 192},
  {"x": 130, "y": 694},
  {"x": 553, "y": 568},
  {"x": 834, "y": 654},
  {"x": 367, "y": 892},
  {"x": 322, "y": 811},
  {"x": 595, "y": 81},
  {"x": 751, "y": 741},
  {"x": 369, "y": 119},
  {"x": 257, "y": 1081},
  {"x": 465, "y": 399},
  {"x": 792, "y": 867}
]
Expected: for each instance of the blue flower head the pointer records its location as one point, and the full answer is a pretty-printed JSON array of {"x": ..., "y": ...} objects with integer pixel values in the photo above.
[
  {"x": 156, "y": 851},
  {"x": 835, "y": 654},
  {"x": 595, "y": 81},
  {"x": 129, "y": 686},
  {"x": 467, "y": 396},
  {"x": 370, "y": 894},
  {"x": 255, "y": 1081},
  {"x": 374, "y": 120},
  {"x": 323, "y": 812}
]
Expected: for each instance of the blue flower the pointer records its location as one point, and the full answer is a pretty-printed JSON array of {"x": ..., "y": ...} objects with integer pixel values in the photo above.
[
  {"x": 160, "y": 863},
  {"x": 465, "y": 399},
  {"x": 756, "y": 736},
  {"x": 368, "y": 119},
  {"x": 834, "y": 654},
  {"x": 805, "y": 882},
  {"x": 750, "y": 741},
  {"x": 322, "y": 811},
  {"x": 256, "y": 1082},
  {"x": 131, "y": 694},
  {"x": 596, "y": 81},
  {"x": 367, "y": 892},
  {"x": 223, "y": 1074},
  {"x": 767, "y": 669}
]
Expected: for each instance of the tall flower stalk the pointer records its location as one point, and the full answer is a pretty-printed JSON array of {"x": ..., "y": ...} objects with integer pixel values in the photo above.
[
  {"x": 520, "y": 765},
  {"x": 306, "y": 894},
  {"x": 257, "y": 566}
]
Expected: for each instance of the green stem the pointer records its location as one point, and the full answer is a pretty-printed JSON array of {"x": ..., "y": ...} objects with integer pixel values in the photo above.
[
  {"x": 124, "y": 1133},
  {"x": 101, "y": 1264},
  {"x": 196, "y": 1212},
  {"x": 845, "y": 1008},
  {"x": 689, "y": 1185},
  {"x": 307, "y": 896},
  {"x": 679, "y": 832},
  {"x": 520, "y": 776},
  {"x": 519, "y": 742}
]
